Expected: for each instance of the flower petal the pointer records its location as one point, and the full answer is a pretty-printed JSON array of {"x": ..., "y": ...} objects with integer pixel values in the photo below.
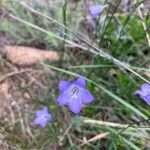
[
  {"x": 39, "y": 112},
  {"x": 49, "y": 117},
  {"x": 146, "y": 99},
  {"x": 95, "y": 10},
  {"x": 37, "y": 120},
  {"x": 75, "y": 105},
  {"x": 86, "y": 96},
  {"x": 138, "y": 92},
  {"x": 80, "y": 82},
  {"x": 43, "y": 124},
  {"x": 145, "y": 88},
  {"x": 45, "y": 109},
  {"x": 63, "y": 99},
  {"x": 63, "y": 85}
]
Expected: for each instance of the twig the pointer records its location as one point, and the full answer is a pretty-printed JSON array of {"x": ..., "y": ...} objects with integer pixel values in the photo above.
[
  {"x": 95, "y": 138},
  {"x": 13, "y": 73},
  {"x": 67, "y": 130},
  {"x": 25, "y": 71},
  {"x": 36, "y": 81}
]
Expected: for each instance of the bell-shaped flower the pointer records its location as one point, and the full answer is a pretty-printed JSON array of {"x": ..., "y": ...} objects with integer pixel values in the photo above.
[
  {"x": 42, "y": 117},
  {"x": 74, "y": 94},
  {"x": 95, "y": 10}
]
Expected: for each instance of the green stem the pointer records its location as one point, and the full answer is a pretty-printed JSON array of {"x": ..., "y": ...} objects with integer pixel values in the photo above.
[
  {"x": 65, "y": 25},
  {"x": 103, "y": 34}
]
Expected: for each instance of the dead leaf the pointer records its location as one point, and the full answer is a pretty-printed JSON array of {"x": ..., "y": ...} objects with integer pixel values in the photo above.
[{"x": 27, "y": 56}]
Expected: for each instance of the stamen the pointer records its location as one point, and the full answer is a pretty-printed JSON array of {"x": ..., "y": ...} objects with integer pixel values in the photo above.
[{"x": 74, "y": 92}]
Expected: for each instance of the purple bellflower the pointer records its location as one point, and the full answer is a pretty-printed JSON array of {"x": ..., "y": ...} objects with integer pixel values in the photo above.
[
  {"x": 42, "y": 117},
  {"x": 144, "y": 93},
  {"x": 95, "y": 10},
  {"x": 74, "y": 94}
]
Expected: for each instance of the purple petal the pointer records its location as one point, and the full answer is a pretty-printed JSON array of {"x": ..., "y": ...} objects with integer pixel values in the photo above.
[
  {"x": 62, "y": 99},
  {"x": 75, "y": 105},
  {"x": 49, "y": 117},
  {"x": 145, "y": 88},
  {"x": 63, "y": 85},
  {"x": 38, "y": 120},
  {"x": 38, "y": 112},
  {"x": 45, "y": 109},
  {"x": 80, "y": 82},
  {"x": 43, "y": 124},
  {"x": 146, "y": 99},
  {"x": 86, "y": 96},
  {"x": 138, "y": 92},
  {"x": 95, "y": 10}
]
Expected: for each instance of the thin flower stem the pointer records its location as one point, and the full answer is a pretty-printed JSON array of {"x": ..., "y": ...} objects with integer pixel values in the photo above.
[
  {"x": 126, "y": 22},
  {"x": 65, "y": 25},
  {"x": 103, "y": 34},
  {"x": 2, "y": 78},
  {"x": 144, "y": 26}
]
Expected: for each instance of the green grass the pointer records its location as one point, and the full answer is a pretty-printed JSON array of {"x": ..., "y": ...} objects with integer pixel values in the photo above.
[{"x": 112, "y": 84}]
